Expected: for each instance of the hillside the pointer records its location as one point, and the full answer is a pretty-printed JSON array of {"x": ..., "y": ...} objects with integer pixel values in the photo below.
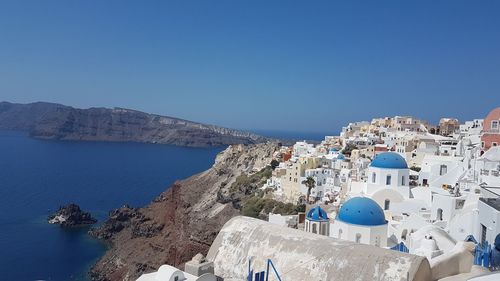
[{"x": 182, "y": 221}]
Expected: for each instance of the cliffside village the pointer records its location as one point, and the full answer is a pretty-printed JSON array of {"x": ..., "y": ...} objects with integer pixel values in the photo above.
[{"x": 393, "y": 198}]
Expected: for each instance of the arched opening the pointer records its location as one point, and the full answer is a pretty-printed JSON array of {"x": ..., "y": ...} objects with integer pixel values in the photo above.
[
  {"x": 388, "y": 180},
  {"x": 314, "y": 228},
  {"x": 440, "y": 214},
  {"x": 307, "y": 226},
  {"x": 387, "y": 204},
  {"x": 340, "y": 233},
  {"x": 358, "y": 238},
  {"x": 374, "y": 177}
]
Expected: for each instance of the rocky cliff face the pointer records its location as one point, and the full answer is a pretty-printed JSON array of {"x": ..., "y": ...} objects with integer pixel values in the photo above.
[
  {"x": 55, "y": 121},
  {"x": 179, "y": 223}
]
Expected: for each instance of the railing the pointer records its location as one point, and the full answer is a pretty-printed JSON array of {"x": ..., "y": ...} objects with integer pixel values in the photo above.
[
  {"x": 401, "y": 247},
  {"x": 259, "y": 276},
  {"x": 482, "y": 254},
  {"x": 493, "y": 173}
]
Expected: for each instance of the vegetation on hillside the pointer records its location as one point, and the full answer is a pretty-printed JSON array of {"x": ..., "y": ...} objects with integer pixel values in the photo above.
[
  {"x": 259, "y": 207},
  {"x": 249, "y": 183}
]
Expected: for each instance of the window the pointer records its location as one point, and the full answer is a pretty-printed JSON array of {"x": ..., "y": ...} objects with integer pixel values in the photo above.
[
  {"x": 494, "y": 144},
  {"x": 403, "y": 234},
  {"x": 440, "y": 214},
  {"x": 483, "y": 234},
  {"x": 494, "y": 125},
  {"x": 482, "y": 144},
  {"x": 388, "y": 180},
  {"x": 387, "y": 204},
  {"x": 443, "y": 169},
  {"x": 340, "y": 233},
  {"x": 374, "y": 177},
  {"x": 403, "y": 180},
  {"x": 314, "y": 229},
  {"x": 358, "y": 238}
]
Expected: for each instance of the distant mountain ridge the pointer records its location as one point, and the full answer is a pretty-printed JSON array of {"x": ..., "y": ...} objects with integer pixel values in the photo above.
[{"x": 57, "y": 121}]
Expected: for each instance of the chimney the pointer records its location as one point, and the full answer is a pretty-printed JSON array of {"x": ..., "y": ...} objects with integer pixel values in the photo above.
[{"x": 199, "y": 265}]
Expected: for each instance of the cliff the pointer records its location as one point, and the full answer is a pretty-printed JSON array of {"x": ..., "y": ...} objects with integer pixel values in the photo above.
[
  {"x": 56, "y": 121},
  {"x": 182, "y": 221}
]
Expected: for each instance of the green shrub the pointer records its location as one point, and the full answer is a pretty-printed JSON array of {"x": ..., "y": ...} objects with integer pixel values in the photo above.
[{"x": 257, "y": 207}]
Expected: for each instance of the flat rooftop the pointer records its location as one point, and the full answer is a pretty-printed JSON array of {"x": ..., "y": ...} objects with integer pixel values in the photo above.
[{"x": 492, "y": 202}]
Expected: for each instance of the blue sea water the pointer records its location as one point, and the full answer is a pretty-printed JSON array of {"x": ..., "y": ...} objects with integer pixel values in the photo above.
[{"x": 37, "y": 176}]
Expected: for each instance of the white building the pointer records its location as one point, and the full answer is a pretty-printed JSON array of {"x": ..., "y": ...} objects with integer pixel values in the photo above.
[
  {"x": 303, "y": 148},
  {"x": 388, "y": 179},
  {"x": 361, "y": 220},
  {"x": 473, "y": 127},
  {"x": 325, "y": 179},
  {"x": 489, "y": 219},
  {"x": 435, "y": 167}
]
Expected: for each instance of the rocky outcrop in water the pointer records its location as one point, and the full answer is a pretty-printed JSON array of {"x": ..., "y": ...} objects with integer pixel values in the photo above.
[
  {"x": 71, "y": 215},
  {"x": 55, "y": 121},
  {"x": 180, "y": 222}
]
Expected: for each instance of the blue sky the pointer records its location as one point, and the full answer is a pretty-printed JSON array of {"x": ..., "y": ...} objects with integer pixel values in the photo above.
[{"x": 273, "y": 65}]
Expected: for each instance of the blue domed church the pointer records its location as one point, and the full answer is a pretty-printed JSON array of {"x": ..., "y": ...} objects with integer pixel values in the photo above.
[
  {"x": 317, "y": 221},
  {"x": 388, "y": 179},
  {"x": 361, "y": 220}
]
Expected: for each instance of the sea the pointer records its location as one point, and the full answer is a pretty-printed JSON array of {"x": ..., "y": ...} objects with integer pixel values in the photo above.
[{"x": 37, "y": 176}]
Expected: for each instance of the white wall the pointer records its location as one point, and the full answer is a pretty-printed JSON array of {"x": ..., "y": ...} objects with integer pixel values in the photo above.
[
  {"x": 399, "y": 177},
  {"x": 369, "y": 234},
  {"x": 489, "y": 217}
]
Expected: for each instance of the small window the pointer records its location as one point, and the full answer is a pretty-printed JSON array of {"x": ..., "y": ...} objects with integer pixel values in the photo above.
[
  {"x": 314, "y": 228},
  {"x": 358, "y": 238},
  {"x": 403, "y": 183},
  {"x": 443, "y": 169},
  {"x": 388, "y": 180},
  {"x": 340, "y": 233},
  {"x": 494, "y": 144},
  {"x": 494, "y": 125},
  {"x": 374, "y": 177},
  {"x": 387, "y": 204}
]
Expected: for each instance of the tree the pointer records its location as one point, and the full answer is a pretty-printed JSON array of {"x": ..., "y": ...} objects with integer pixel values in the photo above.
[
  {"x": 274, "y": 164},
  {"x": 349, "y": 148},
  {"x": 310, "y": 183}
]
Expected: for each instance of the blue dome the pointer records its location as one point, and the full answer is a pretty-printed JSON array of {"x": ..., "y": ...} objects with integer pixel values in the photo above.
[
  {"x": 333, "y": 149},
  {"x": 389, "y": 160},
  {"x": 317, "y": 214},
  {"x": 361, "y": 211},
  {"x": 341, "y": 157}
]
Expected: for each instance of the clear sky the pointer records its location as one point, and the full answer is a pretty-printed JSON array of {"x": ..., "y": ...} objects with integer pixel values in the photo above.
[{"x": 275, "y": 65}]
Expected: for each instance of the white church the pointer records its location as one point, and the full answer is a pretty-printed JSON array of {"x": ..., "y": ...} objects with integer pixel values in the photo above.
[{"x": 388, "y": 180}]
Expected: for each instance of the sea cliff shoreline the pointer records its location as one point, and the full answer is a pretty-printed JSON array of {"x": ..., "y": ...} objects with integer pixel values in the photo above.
[{"x": 180, "y": 222}]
